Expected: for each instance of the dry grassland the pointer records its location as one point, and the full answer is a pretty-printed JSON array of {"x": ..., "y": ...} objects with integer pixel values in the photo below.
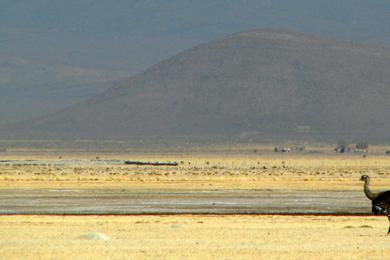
[
  {"x": 193, "y": 237},
  {"x": 199, "y": 171},
  {"x": 188, "y": 236}
]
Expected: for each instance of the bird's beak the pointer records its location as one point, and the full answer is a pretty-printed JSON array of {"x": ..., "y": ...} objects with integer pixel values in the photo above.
[{"x": 361, "y": 178}]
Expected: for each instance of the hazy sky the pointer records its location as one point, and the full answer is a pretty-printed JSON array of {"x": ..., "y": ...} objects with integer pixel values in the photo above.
[{"x": 201, "y": 19}]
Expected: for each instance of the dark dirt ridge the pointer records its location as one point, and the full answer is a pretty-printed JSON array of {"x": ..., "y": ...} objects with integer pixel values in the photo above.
[{"x": 256, "y": 85}]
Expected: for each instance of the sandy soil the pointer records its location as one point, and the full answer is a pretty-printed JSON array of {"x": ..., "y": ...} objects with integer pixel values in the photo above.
[{"x": 193, "y": 237}]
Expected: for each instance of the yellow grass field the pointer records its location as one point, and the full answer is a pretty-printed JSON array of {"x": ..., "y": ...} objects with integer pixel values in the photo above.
[
  {"x": 194, "y": 237},
  {"x": 202, "y": 171}
]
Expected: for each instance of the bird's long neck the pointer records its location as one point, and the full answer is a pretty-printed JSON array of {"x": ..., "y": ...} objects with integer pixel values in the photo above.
[{"x": 367, "y": 190}]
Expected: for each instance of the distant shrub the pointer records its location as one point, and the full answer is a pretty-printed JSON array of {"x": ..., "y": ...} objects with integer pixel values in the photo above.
[
  {"x": 342, "y": 147},
  {"x": 362, "y": 146}
]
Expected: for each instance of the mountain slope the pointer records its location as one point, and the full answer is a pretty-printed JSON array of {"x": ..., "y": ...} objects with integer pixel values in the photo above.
[{"x": 256, "y": 84}]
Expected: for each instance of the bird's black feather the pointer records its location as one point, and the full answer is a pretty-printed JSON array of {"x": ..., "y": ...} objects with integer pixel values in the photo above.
[{"x": 381, "y": 203}]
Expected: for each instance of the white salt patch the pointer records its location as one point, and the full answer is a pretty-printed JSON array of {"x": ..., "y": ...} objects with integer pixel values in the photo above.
[{"x": 95, "y": 236}]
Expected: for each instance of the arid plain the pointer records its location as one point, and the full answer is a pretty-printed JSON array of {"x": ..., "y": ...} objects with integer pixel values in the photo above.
[{"x": 194, "y": 236}]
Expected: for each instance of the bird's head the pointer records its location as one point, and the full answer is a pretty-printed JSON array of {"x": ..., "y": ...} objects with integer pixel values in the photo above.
[{"x": 365, "y": 178}]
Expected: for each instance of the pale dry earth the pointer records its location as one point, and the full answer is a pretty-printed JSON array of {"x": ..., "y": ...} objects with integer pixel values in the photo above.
[{"x": 193, "y": 237}]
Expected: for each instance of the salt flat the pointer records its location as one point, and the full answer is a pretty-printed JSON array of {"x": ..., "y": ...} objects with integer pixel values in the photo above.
[{"x": 128, "y": 201}]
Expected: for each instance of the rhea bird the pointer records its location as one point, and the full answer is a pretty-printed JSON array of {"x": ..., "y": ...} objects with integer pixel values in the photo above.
[{"x": 380, "y": 201}]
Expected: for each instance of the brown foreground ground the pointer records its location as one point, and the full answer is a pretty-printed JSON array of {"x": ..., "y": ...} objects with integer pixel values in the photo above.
[{"x": 193, "y": 237}]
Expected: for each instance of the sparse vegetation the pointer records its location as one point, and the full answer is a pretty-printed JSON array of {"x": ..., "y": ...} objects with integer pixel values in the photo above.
[
  {"x": 247, "y": 170},
  {"x": 342, "y": 147},
  {"x": 362, "y": 146}
]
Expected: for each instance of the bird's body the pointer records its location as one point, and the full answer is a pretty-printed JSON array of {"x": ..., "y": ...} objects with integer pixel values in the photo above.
[{"x": 380, "y": 201}]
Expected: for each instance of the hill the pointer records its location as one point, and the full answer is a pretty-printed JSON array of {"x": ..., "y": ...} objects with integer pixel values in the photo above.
[
  {"x": 261, "y": 84},
  {"x": 43, "y": 72}
]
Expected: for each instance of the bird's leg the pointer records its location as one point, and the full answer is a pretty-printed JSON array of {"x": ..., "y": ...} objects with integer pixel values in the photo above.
[{"x": 388, "y": 232}]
